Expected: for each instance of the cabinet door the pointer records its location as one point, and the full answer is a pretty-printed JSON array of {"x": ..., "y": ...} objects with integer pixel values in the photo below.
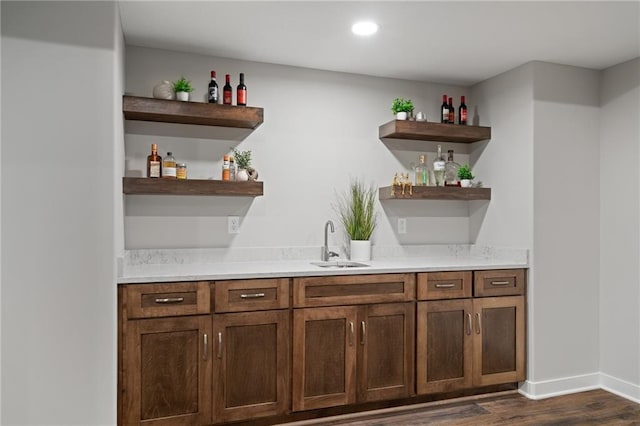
[
  {"x": 498, "y": 340},
  {"x": 167, "y": 365},
  {"x": 251, "y": 365},
  {"x": 444, "y": 352},
  {"x": 324, "y": 357},
  {"x": 386, "y": 351}
]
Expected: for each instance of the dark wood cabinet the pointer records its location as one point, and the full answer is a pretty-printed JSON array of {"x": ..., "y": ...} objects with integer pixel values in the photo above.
[
  {"x": 167, "y": 370},
  {"x": 470, "y": 342},
  {"x": 251, "y": 365}
]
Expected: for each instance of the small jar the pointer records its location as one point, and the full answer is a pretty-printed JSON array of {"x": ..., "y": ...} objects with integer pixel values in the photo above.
[{"x": 181, "y": 171}]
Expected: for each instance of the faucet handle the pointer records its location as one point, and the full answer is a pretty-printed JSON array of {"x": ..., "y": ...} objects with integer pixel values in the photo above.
[{"x": 333, "y": 254}]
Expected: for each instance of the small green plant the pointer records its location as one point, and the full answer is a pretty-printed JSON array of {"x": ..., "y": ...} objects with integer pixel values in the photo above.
[
  {"x": 182, "y": 85},
  {"x": 356, "y": 210},
  {"x": 242, "y": 158},
  {"x": 464, "y": 172},
  {"x": 401, "y": 105}
]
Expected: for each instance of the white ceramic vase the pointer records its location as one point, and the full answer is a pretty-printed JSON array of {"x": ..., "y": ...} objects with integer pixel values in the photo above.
[
  {"x": 360, "y": 250},
  {"x": 163, "y": 90},
  {"x": 402, "y": 115},
  {"x": 182, "y": 96},
  {"x": 242, "y": 175}
]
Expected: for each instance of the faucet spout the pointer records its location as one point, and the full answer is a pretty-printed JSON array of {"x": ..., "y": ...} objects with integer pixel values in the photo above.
[{"x": 326, "y": 254}]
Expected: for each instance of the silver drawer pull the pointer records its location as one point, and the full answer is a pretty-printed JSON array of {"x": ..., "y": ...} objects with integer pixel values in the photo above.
[
  {"x": 205, "y": 346},
  {"x": 500, "y": 283},
  {"x": 219, "y": 345},
  {"x": 468, "y": 324},
  {"x": 170, "y": 300},
  {"x": 252, "y": 296},
  {"x": 445, "y": 285}
]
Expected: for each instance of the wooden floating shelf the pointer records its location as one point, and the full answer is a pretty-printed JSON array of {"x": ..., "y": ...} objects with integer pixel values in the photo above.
[
  {"x": 160, "y": 186},
  {"x": 425, "y": 131},
  {"x": 200, "y": 113},
  {"x": 436, "y": 193}
]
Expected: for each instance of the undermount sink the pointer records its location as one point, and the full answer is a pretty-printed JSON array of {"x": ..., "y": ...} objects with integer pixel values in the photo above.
[{"x": 339, "y": 264}]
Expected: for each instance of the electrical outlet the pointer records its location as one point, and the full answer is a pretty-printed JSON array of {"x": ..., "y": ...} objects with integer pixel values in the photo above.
[
  {"x": 402, "y": 226},
  {"x": 234, "y": 224}
]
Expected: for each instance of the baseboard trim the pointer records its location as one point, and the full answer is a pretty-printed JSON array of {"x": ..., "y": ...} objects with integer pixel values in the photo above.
[
  {"x": 620, "y": 387},
  {"x": 586, "y": 382}
]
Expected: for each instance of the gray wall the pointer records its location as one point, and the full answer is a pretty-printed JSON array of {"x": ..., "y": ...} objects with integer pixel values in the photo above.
[
  {"x": 320, "y": 129},
  {"x": 620, "y": 228},
  {"x": 58, "y": 270}
]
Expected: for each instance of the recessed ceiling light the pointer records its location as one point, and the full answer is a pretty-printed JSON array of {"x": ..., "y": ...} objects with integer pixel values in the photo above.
[{"x": 364, "y": 28}]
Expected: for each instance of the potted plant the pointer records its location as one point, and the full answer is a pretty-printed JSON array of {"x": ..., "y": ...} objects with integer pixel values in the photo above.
[
  {"x": 465, "y": 176},
  {"x": 182, "y": 87},
  {"x": 356, "y": 210},
  {"x": 243, "y": 161},
  {"x": 401, "y": 107}
]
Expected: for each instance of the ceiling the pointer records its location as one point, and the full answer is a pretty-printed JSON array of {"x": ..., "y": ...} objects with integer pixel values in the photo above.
[{"x": 455, "y": 42}]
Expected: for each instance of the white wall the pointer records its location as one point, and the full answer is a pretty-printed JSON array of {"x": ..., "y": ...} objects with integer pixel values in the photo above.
[
  {"x": 58, "y": 279},
  {"x": 620, "y": 228},
  {"x": 566, "y": 220},
  {"x": 320, "y": 129}
]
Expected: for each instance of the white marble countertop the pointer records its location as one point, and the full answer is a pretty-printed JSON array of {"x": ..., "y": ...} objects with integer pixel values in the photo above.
[{"x": 195, "y": 265}]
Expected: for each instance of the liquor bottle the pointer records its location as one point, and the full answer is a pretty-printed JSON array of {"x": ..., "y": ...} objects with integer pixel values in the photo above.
[
  {"x": 444, "y": 117},
  {"x": 241, "y": 94},
  {"x": 154, "y": 163},
  {"x": 227, "y": 90},
  {"x": 422, "y": 172},
  {"x": 226, "y": 172},
  {"x": 213, "y": 89},
  {"x": 462, "y": 112},
  {"x": 169, "y": 166},
  {"x": 232, "y": 169},
  {"x": 452, "y": 112},
  {"x": 451, "y": 171},
  {"x": 438, "y": 167}
]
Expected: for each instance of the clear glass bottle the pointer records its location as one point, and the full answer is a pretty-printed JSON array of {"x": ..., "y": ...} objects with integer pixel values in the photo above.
[
  {"x": 438, "y": 167},
  {"x": 451, "y": 171},
  {"x": 422, "y": 173},
  {"x": 232, "y": 169},
  {"x": 169, "y": 166}
]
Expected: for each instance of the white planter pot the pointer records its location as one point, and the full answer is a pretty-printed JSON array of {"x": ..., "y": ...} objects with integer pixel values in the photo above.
[
  {"x": 401, "y": 115},
  {"x": 182, "y": 96},
  {"x": 465, "y": 183},
  {"x": 242, "y": 175},
  {"x": 360, "y": 250}
]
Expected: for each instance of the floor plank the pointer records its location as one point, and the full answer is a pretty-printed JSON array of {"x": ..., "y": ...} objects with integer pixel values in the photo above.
[{"x": 596, "y": 407}]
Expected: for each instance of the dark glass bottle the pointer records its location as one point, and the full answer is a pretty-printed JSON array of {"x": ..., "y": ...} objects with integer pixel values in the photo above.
[
  {"x": 154, "y": 163},
  {"x": 462, "y": 112},
  {"x": 213, "y": 89},
  {"x": 227, "y": 91},
  {"x": 444, "y": 117},
  {"x": 241, "y": 94},
  {"x": 452, "y": 112}
]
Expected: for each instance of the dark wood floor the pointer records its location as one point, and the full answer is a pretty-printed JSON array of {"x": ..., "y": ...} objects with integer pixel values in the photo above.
[{"x": 596, "y": 407}]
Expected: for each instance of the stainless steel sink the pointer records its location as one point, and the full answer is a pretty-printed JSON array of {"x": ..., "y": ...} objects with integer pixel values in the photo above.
[{"x": 340, "y": 264}]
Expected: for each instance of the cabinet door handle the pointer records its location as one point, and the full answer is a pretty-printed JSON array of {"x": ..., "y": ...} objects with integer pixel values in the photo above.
[
  {"x": 478, "y": 325},
  {"x": 450, "y": 285},
  {"x": 350, "y": 333},
  {"x": 219, "y": 345},
  {"x": 170, "y": 300},
  {"x": 252, "y": 296},
  {"x": 205, "y": 346},
  {"x": 468, "y": 324},
  {"x": 363, "y": 328},
  {"x": 500, "y": 283}
]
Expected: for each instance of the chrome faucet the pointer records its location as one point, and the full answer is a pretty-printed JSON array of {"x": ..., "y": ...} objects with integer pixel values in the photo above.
[{"x": 326, "y": 254}]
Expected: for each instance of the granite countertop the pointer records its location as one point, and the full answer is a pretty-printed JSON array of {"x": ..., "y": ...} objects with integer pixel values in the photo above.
[{"x": 142, "y": 266}]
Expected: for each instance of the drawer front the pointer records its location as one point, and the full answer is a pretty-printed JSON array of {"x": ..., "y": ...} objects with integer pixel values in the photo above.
[
  {"x": 504, "y": 282},
  {"x": 444, "y": 285},
  {"x": 167, "y": 299},
  {"x": 353, "y": 289},
  {"x": 251, "y": 295}
]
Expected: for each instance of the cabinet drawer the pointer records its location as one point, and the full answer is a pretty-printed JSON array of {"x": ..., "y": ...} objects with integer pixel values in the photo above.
[
  {"x": 251, "y": 295},
  {"x": 444, "y": 285},
  {"x": 167, "y": 299},
  {"x": 353, "y": 289},
  {"x": 503, "y": 282}
]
